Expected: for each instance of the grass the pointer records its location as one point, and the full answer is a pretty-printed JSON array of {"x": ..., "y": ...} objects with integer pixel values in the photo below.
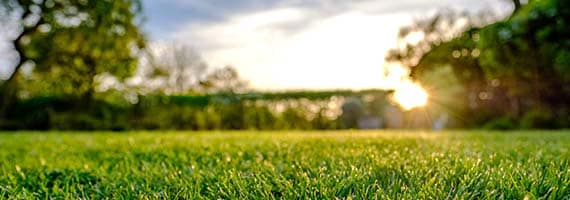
[{"x": 276, "y": 165}]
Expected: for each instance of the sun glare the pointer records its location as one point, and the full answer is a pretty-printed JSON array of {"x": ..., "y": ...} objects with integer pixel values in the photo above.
[{"x": 410, "y": 95}]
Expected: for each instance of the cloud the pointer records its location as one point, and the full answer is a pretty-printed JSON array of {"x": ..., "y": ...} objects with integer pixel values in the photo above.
[
  {"x": 294, "y": 48},
  {"x": 311, "y": 43}
]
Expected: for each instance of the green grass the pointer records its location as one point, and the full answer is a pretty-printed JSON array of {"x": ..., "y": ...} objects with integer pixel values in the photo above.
[{"x": 275, "y": 165}]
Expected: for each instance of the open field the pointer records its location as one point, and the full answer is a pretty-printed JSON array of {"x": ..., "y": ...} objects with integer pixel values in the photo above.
[{"x": 267, "y": 165}]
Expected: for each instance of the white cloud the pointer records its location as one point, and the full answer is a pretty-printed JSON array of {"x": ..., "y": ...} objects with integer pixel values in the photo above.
[
  {"x": 325, "y": 46},
  {"x": 342, "y": 51}
]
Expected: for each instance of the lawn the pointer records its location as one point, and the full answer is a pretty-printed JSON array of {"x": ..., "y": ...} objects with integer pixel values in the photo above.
[{"x": 288, "y": 165}]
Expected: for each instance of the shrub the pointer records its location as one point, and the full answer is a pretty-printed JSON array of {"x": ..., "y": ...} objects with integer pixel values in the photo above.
[
  {"x": 538, "y": 119},
  {"x": 502, "y": 123}
]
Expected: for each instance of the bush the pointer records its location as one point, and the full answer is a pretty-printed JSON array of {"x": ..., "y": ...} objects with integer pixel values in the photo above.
[
  {"x": 502, "y": 123},
  {"x": 538, "y": 119},
  {"x": 74, "y": 121}
]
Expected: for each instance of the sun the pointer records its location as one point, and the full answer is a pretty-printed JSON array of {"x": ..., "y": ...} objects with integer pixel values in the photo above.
[{"x": 410, "y": 95}]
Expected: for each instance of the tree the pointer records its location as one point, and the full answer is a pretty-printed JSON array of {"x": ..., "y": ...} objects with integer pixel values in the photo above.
[
  {"x": 225, "y": 80},
  {"x": 447, "y": 48},
  {"x": 506, "y": 69},
  {"x": 28, "y": 22},
  {"x": 72, "y": 42},
  {"x": 529, "y": 54},
  {"x": 172, "y": 68}
]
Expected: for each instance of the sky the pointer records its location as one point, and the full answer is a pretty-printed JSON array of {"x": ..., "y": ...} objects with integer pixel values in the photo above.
[
  {"x": 290, "y": 44},
  {"x": 295, "y": 44}
]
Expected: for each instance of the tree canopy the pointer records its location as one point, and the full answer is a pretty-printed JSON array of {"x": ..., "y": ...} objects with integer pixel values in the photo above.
[
  {"x": 69, "y": 43},
  {"x": 515, "y": 68}
]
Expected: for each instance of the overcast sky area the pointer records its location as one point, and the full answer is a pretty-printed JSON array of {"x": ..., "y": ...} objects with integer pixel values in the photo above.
[{"x": 292, "y": 44}]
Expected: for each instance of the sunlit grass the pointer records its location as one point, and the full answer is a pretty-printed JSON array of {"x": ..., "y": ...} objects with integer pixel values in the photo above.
[{"x": 299, "y": 165}]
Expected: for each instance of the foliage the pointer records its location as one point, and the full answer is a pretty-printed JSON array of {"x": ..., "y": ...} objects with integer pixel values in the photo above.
[
  {"x": 501, "y": 123},
  {"x": 285, "y": 165},
  {"x": 70, "y": 43},
  {"x": 502, "y": 69},
  {"x": 539, "y": 119},
  {"x": 171, "y": 68},
  {"x": 225, "y": 80},
  {"x": 163, "y": 112},
  {"x": 540, "y": 32}
]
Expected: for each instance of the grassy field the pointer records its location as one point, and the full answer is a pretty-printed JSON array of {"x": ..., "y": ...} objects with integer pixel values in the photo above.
[{"x": 268, "y": 165}]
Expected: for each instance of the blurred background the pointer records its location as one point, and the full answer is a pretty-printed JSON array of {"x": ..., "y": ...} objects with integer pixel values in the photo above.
[{"x": 284, "y": 64}]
